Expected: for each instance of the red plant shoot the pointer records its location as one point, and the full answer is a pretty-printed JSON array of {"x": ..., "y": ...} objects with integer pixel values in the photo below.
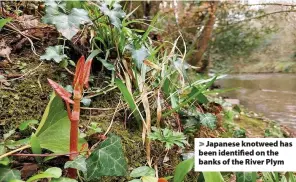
[{"x": 81, "y": 78}]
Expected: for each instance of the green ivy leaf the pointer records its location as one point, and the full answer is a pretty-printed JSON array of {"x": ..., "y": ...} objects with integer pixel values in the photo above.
[
  {"x": 142, "y": 171},
  {"x": 107, "y": 159},
  {"x": 208, "y": 120},
  {"x": 67, "y": 25},
  {"x": 53, "y": 172},
  {"x": 86, "y": 101},
  {"x": 78, "y": 163},
  {"x": 139, "y": 55},
  {"x": 54, "y": 53},
  {"x": 7, "y": 174},
  {"x": 115, "y": 15}
]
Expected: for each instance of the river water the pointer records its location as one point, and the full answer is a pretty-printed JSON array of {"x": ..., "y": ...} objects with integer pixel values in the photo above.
[{"x": 273, "y": 95}]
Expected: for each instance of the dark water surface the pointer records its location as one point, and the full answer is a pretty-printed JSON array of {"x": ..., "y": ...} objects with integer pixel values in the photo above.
[{"x": 273, "y": 95}]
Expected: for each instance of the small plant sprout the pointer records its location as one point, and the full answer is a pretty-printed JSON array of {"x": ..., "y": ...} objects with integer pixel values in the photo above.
[
  {"x": 80, "y": 81},
  {"x": 168, "y": 137}
]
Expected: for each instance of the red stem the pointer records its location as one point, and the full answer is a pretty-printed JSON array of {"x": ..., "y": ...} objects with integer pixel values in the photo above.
[
  {"x": 74, "y": 139},
  {"x": 74, "y": 133}
]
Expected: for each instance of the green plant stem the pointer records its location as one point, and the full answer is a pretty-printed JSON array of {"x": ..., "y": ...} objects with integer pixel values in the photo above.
[{"x": 189, "y": 99}]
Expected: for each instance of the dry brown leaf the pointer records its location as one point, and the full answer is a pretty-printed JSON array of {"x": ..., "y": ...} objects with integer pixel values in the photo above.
[
  {"x": 5, "y": 50},
  {"x": 152, "y": 65},
  {"x": 28, "y": 21},
  {"x": 158, "y": 110}
]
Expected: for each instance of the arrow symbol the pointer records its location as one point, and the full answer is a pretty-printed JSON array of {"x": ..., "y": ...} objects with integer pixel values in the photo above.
[{"x": 201, "y": 144}]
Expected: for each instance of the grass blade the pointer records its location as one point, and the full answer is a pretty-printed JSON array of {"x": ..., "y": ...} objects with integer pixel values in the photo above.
[{"x": 129, "y": 99}]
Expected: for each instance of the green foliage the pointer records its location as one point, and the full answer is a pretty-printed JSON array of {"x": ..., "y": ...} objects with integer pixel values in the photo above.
[
  {"x": 246, "y": 177},
  {"x": 168, "y": 137},
  {"x": 62, "y": 179},
  {"x": 129, "y": 99},
  {"x": 105, "y": 63},
  {"x": 78, "y": 163},
  {"x": 208, "y": 120},
  {"x": 182, "y": 169},
  {"x": 146, "y": 173},
  {"x": 24, "y": 125},
  {"x": 35, "y": 146},
  {"x": 54, "y": 129},
  {"x": 114, "y": 12},
  {"x": 4, "y": 161},
  {"x": 3, "y": 22},
  {"x": 107, "y": 159},
  {"x": 94, "y": 128},
  {"x": 7, "y": 174},
  {"x": 239, "y": 133},
  {"x": 270, "y": 176},
  {"x": 86, "y": 101},
  {"x": 67, "y": 24},
  {"x": 273, "y": 130},
  {"x": 53, "y": 172},
  {"x": 142, "y": 171},
  {"x": 139, "y": 55},
  {"x": 277, "y": 177},
  {"x": 213, "y": 177},
  {"x": 54, "y": 53},
  {"x": 9, "y": 134},
  {"x": 149, "y": 179}
]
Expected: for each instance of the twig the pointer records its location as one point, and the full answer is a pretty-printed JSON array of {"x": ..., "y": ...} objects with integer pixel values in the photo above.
[
  {"x": 112, "y": 119},
  {"x": 26, "y": 36},
  {"x": 28, "y": 72},
  {"x": 15, "y": 29},
  {"x": 14, "y": 151},
  {"x": 262, "y": 16},
  {"x": 270, "y": 4},
  {"x": 69, "y": 71},
  {"x": 99, "y": 109},
  {"x": 47, "y": 155}
]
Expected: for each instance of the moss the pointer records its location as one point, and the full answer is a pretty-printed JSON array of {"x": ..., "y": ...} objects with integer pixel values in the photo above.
[
  {"x": 27, "y": 97},
  {"x": 254, "y": 127}
]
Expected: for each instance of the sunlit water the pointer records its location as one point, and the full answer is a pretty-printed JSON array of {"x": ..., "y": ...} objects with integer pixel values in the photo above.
[{"x": 273, "y": 95}]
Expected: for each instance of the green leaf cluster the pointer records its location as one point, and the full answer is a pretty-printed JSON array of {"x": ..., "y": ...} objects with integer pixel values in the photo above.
[
  {"x": 67, "y": 24},
  {"x": 168, "y": 137}
]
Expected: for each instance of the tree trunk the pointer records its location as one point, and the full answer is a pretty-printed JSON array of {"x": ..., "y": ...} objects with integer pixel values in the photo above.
[{"x": 205, "y": 36}]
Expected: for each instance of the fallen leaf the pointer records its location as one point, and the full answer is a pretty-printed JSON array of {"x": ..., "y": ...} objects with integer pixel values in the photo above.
[
  {"x": 5, "y": 50},
  {"x": 28, "y": 21},
  {"x": 28, "y": 170}
]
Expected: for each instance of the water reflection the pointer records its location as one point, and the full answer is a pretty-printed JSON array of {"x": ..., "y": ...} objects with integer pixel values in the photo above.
[{"x": 273, "y": 95}]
